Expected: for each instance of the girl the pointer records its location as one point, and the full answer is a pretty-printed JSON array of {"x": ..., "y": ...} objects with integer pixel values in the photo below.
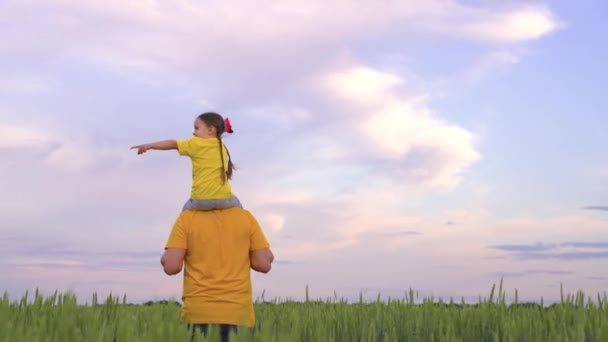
[{"x": 211, "y": 163}]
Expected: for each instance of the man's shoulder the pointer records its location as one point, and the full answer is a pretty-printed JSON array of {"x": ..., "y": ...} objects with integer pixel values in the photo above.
[
  {"x": 229, "y": 217},
  {"x": 233, "y": 213},
  {"x": 237, "y": 212}
]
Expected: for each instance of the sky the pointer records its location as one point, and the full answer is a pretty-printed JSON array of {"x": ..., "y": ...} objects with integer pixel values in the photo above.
[{"x": 382, "y": 145}]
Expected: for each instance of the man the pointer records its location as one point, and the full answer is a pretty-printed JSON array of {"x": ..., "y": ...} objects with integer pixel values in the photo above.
[{"x": 218, "y": 248}]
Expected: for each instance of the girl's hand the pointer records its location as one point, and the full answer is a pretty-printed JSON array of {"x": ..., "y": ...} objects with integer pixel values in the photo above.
[
  {"x": 141, "y": 148},
  {"x": 163, "y": 145}
]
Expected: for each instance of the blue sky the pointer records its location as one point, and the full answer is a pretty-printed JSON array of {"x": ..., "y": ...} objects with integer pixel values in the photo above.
[{"x": 437, "y": 146}]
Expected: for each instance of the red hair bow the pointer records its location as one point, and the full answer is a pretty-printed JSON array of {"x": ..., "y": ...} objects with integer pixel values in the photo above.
[{"x": 227, "y": 126}]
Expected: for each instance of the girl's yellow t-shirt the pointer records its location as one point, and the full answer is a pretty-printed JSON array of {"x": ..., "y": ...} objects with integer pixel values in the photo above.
[{"x": 206, "y": 167}]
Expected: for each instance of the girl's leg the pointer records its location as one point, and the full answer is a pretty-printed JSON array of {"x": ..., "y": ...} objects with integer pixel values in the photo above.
[
  {"x": 197, "y": 204},
  {"x": 237, "y": 202},
  {"x": 193, "y": 204},
  {"x": 228, "y": 203}
]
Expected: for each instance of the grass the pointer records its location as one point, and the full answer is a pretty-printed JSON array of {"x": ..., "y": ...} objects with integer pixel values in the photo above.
[{"x": 59, "y": 318}]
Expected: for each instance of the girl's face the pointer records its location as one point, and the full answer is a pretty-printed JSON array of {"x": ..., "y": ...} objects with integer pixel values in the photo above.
[{"x": 201, "y": 129}]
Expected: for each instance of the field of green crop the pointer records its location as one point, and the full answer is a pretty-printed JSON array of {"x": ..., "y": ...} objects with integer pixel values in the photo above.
[{"x": 60, "y": 318}]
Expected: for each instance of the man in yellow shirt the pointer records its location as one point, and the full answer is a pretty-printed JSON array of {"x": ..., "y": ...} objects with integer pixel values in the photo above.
[{"x": 218, "y": 248}]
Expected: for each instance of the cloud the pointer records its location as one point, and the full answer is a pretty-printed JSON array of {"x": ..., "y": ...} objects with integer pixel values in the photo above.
[
  {"x": 519, "y": 24},
  {"x": 491, "y": 62},
  {"x": 566, "y": 251},
  {"x": 540, "y": 247},
  {"x": 569, "y": 256},
  {"x": 153, "y": 36},
  {"x": 273, "y": 223},
  {"x": 597, "y": 207},
  {"x": 52, "y": 151},
  {"x": 308, "y": 227},
  {"x": 403, "y": 131},
  {"x": 316, "y": 225},
  {"x": 558, "y": 227},
  {"x": 389, "y": 235},
  {"x": 416, "y": 145},
  {"x": 347, "y": 232},
  {"x": 596, "y": 245},
  {"x": 524, "y": 248},
  {"x": 56, "y": 254},
  {"x": 452, "y": 267},
  {"x": 12, "y": 136},
  {"x": 286, "y": 262},
  {"x": 25, "y": 85},
  {"x": 531, "y": 273},
  {"x": 352, "y": 146}
]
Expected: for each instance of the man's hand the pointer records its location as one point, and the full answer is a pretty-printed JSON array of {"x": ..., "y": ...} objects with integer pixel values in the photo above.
[
  {"x": 173, "y": 260},
  {"x": 261, "y": 260}
]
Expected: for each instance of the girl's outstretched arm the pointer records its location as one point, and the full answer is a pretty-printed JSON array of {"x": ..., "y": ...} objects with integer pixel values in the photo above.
[{"x": 159, "y": 145}]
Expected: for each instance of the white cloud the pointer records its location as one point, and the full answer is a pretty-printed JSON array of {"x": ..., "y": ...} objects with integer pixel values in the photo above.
[
  {"x": 74, "y": 158},
  {"x": 521, "y": 24},
  {"x": 579, "y": 226},
  {"x": 492, "y": 61},
  {"x": 397, "y": 125},
  {"x": 60, "y": 154},
  {"x": 196, "y": 35},
  {"x": 363, "y": 84},
  {"x": 239, "y": 42},
  {"x": 19, "y": 136},
  {"x": 273, "y": 223},
  {"x": 60, "y": 260},
  {"x": 25, "y": 85},
  {"x": 281, "y": 115}
]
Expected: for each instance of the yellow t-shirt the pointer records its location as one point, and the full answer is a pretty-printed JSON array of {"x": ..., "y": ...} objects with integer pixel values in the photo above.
[
  {"x": 206, "y": 167},
  {"x": 217, "y": 276}
]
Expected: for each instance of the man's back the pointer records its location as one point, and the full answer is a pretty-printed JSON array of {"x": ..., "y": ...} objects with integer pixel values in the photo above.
[{"x": 217, "y": 276}]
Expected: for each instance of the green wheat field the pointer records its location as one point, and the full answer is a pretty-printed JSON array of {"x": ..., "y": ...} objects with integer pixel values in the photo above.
[{"x": 59, "y": 318}]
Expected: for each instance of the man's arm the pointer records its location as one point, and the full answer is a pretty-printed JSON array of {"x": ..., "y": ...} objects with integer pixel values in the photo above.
[
  {"x": 158, "y": 145},
  {"x": 260, "y": 255},
  {"x": 173, "y": 260}
]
